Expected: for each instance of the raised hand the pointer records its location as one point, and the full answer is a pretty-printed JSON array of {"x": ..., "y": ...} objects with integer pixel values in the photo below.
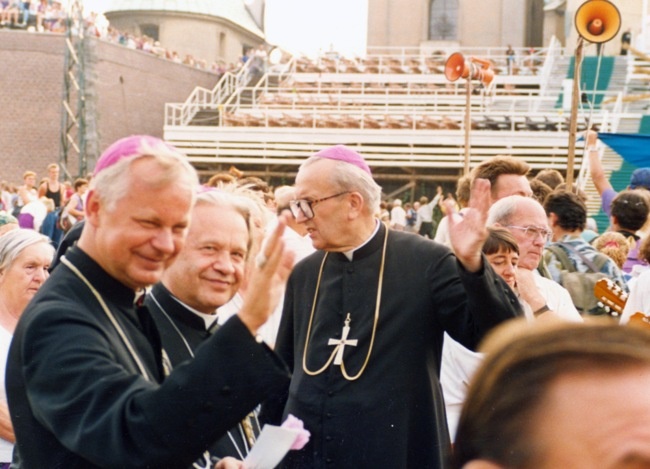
[
  {"x": 468, "y": 232},
  {"x": 229, "y": 463},
  {"x": 267, "y": 279}
]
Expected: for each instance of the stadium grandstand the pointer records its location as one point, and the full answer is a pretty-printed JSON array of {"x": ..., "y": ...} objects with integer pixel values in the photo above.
[{"x": 397, "y": 108}]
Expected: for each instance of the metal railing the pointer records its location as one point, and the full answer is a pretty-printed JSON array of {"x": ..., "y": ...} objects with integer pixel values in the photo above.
[
  {"x": 201, "y": 98},
  {"x": 402, "y": 63}
]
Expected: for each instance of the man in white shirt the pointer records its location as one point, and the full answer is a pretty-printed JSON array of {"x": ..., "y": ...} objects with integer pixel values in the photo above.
[{"x": 397, "y": 216}]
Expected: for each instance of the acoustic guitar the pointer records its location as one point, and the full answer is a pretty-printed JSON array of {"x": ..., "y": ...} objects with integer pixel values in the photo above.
[
  {"x": 610, "y": 296},
  {"x": 613, "y": 298}
]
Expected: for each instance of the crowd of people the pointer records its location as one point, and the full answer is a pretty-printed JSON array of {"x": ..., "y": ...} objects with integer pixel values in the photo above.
[
  {"x": 176, "y": 319},
  {"x": 50, "y": 16}
]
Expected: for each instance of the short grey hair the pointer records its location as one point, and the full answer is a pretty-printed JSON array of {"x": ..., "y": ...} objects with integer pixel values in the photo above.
[
  {"x": 112, "y": 183},
  {"x": 13, "y": 242},
  {"x": 348, "y": 177},
  {"x": 503, "y": 210},
  {"x": 240, "y": 204}
]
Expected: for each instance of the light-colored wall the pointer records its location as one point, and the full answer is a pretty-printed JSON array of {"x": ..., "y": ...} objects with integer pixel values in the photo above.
[
  {"x": 196, "y": 35},
  {"x": 404, "y": 23}
]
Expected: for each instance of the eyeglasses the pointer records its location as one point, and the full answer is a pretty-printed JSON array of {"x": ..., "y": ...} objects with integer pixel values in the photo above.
[
  {"x": 532, "y": 232},
  {"x": 306, "y": 207}
]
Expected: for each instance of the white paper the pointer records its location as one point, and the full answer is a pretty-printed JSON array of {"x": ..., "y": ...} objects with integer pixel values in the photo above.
[{"x": 271, "y": 446}]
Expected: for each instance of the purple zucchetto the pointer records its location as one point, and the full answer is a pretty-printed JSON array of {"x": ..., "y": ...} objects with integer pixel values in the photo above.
[
  {"x": 343, "y": 153},
  {"x": 126, "y": 148}
]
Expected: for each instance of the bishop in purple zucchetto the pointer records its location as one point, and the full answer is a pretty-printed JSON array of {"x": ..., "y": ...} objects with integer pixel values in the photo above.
[{"x": 343, "y": 153}]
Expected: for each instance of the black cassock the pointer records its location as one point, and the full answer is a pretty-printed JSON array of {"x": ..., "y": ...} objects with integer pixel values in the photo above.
[
  {"x": 392, "y": 415},
  {"x": 182, "y": 332},
  {"x": 77, "y": 399}
]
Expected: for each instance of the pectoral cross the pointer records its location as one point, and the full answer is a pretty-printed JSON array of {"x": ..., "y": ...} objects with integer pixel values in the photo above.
[{"x": 340, "y": 344}]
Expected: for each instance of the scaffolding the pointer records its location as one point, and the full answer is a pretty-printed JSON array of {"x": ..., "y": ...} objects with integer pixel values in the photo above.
[{"x": 73, "y": 115}]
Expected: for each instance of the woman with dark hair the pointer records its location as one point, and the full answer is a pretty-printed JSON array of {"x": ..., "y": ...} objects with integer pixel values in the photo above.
[
  {"x": 629, "y": 212},
  {"x": 459, "y": 363}
]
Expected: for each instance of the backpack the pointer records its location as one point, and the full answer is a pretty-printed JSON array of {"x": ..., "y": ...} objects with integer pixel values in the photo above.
[{"x": 580, "y": 285}]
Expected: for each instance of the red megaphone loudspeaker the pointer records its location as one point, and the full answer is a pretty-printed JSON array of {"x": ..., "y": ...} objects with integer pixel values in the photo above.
[
  {"x": 598, "y": 21},
  {"x": 457, "y": 67}
]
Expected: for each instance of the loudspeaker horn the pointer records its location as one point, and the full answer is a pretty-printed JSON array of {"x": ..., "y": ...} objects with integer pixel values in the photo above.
[
  {"x": 598, "y": 21},
  {"x": 484, "y": 74},
  {"x": 456, "y": 67}
]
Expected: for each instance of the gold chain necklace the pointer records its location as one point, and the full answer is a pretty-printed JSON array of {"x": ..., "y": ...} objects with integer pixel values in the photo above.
[{"x": 374, "y": 326}]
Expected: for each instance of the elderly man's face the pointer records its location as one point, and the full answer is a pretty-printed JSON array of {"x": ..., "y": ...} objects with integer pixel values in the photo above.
[
  {"x": 209, "y": 269},
  {"x": 140, "y": 236},
  {"x": 328, "y": 228},
  {"x": 531, "y": 246}
]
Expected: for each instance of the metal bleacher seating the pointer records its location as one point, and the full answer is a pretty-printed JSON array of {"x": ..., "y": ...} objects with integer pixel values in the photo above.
[{"x": 395, "y": 107}]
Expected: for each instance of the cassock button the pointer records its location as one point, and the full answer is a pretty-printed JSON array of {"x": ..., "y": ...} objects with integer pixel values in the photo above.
[
  {"x": 329, "y": 415},
  {"x": 330, "y": 393},
  {"x": 350, "y": 270},
  {"x": 329, "y": 460},
  {"x": 226, "y": 391},
  {"x": 328, "y": 438}
]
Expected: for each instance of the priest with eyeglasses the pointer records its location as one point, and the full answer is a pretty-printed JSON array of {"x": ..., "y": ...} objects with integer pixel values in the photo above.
[{"x": 364, "y": 317}]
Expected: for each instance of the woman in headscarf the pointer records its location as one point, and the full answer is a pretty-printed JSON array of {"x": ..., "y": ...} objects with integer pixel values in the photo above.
[{"x": 25, "y": 257}]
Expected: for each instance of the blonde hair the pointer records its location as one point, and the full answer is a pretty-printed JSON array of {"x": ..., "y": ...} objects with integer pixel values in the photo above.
[{"x": 615, "y": 245}]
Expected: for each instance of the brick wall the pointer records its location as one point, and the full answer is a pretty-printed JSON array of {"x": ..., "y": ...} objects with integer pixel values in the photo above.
[{"x": 130, "y": 89}]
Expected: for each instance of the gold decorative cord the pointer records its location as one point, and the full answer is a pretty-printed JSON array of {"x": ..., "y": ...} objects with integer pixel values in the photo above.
[{"x": 374, "y": 327}]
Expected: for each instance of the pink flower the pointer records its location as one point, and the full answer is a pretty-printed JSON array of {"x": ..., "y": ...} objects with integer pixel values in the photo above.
[{"x": 302, "y": 437}]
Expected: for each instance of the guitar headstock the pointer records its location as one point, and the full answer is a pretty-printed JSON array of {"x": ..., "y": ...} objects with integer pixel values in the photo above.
[
  {"x": 610, "y": 296},
  {"x": 640, "y": 320}
]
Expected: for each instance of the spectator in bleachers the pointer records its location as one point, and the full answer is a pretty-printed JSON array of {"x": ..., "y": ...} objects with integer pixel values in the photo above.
[
  {"x": 510, "y": 59},
  {"x": 40, "y": 11},
  {"x": 11, "y": 13}
]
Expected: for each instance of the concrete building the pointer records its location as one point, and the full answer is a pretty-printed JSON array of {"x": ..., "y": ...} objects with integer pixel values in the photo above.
[
  {"x": 433, "y": 24},
  {"x": 451, "y": 23},
  {"x": 205, "y": 29}
]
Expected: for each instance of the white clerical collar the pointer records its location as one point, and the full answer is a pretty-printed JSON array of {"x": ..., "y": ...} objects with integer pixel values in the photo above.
[
  {"x": 207, "y": 318},
  {"x": 350, "y": 254}
]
